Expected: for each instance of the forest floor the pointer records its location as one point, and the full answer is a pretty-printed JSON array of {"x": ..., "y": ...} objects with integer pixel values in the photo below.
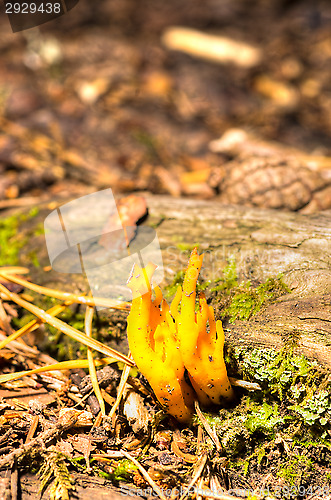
[{"x": 94, "y": 100}]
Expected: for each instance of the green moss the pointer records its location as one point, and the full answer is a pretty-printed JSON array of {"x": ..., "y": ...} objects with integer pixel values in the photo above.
[
  {"x": 237, "y": 301},
  {"x": 276, "y": 372},
  {"x": 124, "y": 470},
  {"x": 283, "y": 428},
  {"x": 247, "y": 301},
  {"x": 314, "y": 408},
  {"x": 240, "y": 301},
  {"x": 11, "y": 241},
  {"x": 229, "y": 279},
  {"x": 296, "y": 467},
  {"x": 32, "y": 256},
  {"x": 186, "y": 247},
  {"x": 263, "y": 418},
  {"x": 171, "y": 289}
]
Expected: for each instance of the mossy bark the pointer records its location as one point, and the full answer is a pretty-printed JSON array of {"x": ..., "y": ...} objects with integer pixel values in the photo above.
[{"x": 264, "y": 243}]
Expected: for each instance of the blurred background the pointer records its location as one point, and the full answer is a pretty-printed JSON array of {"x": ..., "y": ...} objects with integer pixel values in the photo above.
[{"x": 100, "y": 98}]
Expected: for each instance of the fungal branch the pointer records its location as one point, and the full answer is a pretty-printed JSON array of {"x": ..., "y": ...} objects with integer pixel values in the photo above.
[
  {"x": 165, "y": 342},
  {"x": 153, "y": 345}
]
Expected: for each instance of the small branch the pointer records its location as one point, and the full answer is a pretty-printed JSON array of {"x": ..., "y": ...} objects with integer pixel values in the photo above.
[
  {"x": 198, "y": 471},
  {"x": 14, "y": 478},
  {"x": 66, "y": 422},
  {"x": 211, "y": 433},
  {"x": 32, "y": 429},
  {"x": 219, "y": 49},
  {"x": 244, "y": 384}
]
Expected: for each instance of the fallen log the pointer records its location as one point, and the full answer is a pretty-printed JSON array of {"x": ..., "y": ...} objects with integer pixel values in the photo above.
[{"x": 263, "y": 243}]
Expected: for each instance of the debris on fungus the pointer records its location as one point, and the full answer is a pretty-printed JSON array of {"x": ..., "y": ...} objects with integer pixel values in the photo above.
[{"x": 165, "y": 342}]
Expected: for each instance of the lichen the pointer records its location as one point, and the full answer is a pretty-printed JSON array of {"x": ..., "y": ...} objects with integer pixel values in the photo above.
[{"x": 284, "y": 428}]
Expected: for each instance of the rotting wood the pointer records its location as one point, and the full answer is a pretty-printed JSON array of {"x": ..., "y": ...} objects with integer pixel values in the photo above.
[{"x": 264, "y": 243}]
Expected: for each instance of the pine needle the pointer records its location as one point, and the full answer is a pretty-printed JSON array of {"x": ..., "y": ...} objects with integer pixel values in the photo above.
[
  {"x": 145, "y": 474},
  {"x": 34, "y": 324},
  {"x": 14, "y": 270},
  {"x": 57, "y": 294},
  {"x": 92, "y": 370},
  {"x": 67, "y": 329},
  {"x": 121, "y": 387},
  {"x": 211, "y": 433},
  {"x": 63, "y": 365},
  {"x": 198, "y": 469}
]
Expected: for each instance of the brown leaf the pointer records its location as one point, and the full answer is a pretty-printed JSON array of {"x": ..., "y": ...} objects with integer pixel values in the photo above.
[
  {"x": 130, "y": 210},
  {"x": 82, "y": 444}
]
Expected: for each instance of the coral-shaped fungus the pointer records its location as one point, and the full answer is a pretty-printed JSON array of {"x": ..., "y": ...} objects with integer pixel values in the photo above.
[{"x": 165, "y": 341}]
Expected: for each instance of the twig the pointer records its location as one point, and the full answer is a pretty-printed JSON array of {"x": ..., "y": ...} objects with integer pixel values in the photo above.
[
  {"x": 63, "y": 365},
  {"x": 121, "y": 387},
  {"x": 211, "y": 433},
  {"x": 145, "y": 474},
  {"x": 219, "y": 49},
  {"x": 119, "y": 454},
  {"x": 250, "y": 386},
  {"x": 14, "y": 482},
  {"x": 19, "y": 202},
  {"x": 4, "y": 322},
  {"x": 198, "y": 471},
  {"x": 98, "y": 420},
  {"x": 64, "y": 423},
  {"x": 5, "y": 487},
  {"x": 188, "y": 457},
  {"x": 32, "y": 429},
  {"x": 14, "y": 270},
  {"x": 6, "y": 435},
  {"x": 19, "y": 347},
  {"x": 77, "y": 377}
]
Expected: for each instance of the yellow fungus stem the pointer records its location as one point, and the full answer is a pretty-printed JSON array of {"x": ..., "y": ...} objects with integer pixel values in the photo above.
[{"x": 165, "y": 342}]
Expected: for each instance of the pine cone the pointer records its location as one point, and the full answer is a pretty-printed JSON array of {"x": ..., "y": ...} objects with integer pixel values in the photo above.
[{"x": 272, "y": 182}]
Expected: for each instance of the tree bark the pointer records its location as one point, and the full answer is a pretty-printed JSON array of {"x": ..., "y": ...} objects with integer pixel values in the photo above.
[{"x": 264, "y": 243}]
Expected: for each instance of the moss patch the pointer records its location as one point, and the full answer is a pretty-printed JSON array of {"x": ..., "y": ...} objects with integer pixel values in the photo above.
[
  {"x": 281, "y": 432},
  {"x": 240, "y": 301},
  {"x": 11, "y": 241},
  {"x": 170, "y": 290}
]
